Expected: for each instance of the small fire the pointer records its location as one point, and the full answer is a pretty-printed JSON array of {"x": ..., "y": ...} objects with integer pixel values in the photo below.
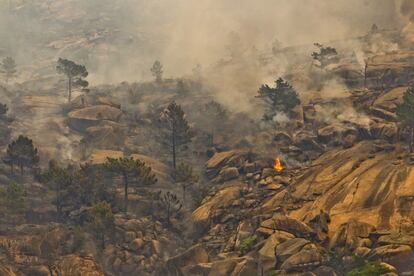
[{"x": 278, "y": 165}]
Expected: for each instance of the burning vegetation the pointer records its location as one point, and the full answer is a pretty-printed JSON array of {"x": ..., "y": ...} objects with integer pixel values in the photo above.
[{"x": 278, "y": 165}]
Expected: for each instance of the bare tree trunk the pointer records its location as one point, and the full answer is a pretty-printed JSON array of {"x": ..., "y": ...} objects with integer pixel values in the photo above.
[
  {"x": 365, "y": 74},
  {"x": 58, "y": 203},
  {"x": 411, "y": 138},
  {"x": 184, "y": 190},
  {"x": 125, "y": 192},
  {"x": 103, "y": 240},
  {"x": 168, "y": 214},
  {"x": 69, "y": 89},
  {"x": 173, "y": 146}
]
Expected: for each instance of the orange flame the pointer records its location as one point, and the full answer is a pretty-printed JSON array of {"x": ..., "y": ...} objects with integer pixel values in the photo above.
[{"x": 278, "y": 165}]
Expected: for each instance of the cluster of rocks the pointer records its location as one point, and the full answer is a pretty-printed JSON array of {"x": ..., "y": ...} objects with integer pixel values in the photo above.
[
  {"x": 43, "y": 250},
  {"x": 364, "y": 240},
  {"x": 251, "y": 232},
  {"x": 141, "y": 244}
]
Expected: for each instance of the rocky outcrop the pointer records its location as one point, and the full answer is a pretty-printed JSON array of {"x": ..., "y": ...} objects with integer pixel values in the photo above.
[
  {"x": 365, "y": 183},
  {"x": 220, "y": 200},
  {"x": 221, "y": 160},
  {"x": 81, "y": 119},
  {"x": 188, "y": 261},
  {"x": 73, "y": 265},
  {"x": 349, "y": 234},
  {"x": 287, "y": 224}
]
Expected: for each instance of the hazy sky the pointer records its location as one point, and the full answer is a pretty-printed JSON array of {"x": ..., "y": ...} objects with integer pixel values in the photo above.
[{"x": 181, "y": 33}]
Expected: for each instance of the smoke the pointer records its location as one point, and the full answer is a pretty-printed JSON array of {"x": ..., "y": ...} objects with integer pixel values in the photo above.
[
  {"x": 281, "y": 118},
  {"x": 334, "y": 91},
  {"x": 233, "y": 40},
  {"x": 119, "y": 40},
  {"x": 407, "y": 9}
]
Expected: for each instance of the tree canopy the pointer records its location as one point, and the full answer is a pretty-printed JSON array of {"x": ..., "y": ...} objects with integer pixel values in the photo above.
[
  {"x": 405, "y": 113},
  {"x": 13, "y": 200},
  {"x": 325, "y": 56},
  {"x": 3, "y": 109},
  {"x": 75, "y": 74},
  {"x": 8, "y": 68},
  {"x": 130, "y": 169},
  {"x": 22, "y": 153},
  {"x": 157, "y": 71},
  {"x": 178, "y": 132},
  {"x": 281, "y": 98},
  {"x": 101, "y": 220}
]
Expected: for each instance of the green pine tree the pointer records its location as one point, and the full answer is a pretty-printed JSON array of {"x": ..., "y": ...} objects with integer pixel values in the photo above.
[
  {"x": 281, "y": 98},
  {"x": 130, "y": 169},
  {"x": 405, "y": 113}
]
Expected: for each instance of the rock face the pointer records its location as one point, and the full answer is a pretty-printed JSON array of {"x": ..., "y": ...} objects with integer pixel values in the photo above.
[
  {"x": 365, "y": 183},
  {"x": 229, "y": 174},
  {"x": 73, "y": 265},
  {"x": 303, "y": 260},
  {"x": 288, "y": 224},
  {"x": 6, "y": 271},
  {"x": 349, "y": 234},
  {"x": 222, "y": 159},
  {"x": 190, "y": 258},
  {"x": 267, "y": 254},
  {"x": 81, "y": 119},
  {"x": 221, "y": 199}
]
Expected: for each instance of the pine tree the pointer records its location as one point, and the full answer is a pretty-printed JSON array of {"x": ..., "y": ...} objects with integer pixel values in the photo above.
[
  {"x": 325, "y": 56},
  {"x": 13, "y": 200},
  {"x": 184, "y": 176},
  {"x": 101, "y": 220},
  {"x": 8, "y": 68},
  {"x": 405, "y": 113},
  {"x": 213, "y": 118},
  {"x": 60, "y": 180},
  {"x": 22, "y": 153},
  {"x": 3, "y": 109},
  {"x": 157, "y": 71},
  {"x": 171, "y": 204},
  {"x": 282, "y": 98},
  {"x": 130, "y": 169},
  {"x": 75, "y": 74},
  {"x": 178, "y": 132}
]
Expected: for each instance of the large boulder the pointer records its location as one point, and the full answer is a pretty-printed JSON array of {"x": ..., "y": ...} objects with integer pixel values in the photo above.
[
  {"x": 224, "y": 267},
  {"x": 227, "y": 174},
  {"x": 81, "y": 119},
  {"x": 391, "y": 253},
  {"x": 349, "y": 234},
  {"x": 72, "y": 265},
  {"x": 219, "y": 160},
  {"x": 267, "y": 254},
  {"x": 289, "y": 248},
  {"x": 222, "y": 199},
  {"x": 306, "y": 140},
  {"x": 303, "y": 261},
  {"x": 390, "y": 99},
  {"x": 186, "y": 260},
  {"x": 288, "y": 224},
  {"x": 6, "y": 271},
  {"x": 333, "y": 134},
  {"x": 246, "y": 267}
]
